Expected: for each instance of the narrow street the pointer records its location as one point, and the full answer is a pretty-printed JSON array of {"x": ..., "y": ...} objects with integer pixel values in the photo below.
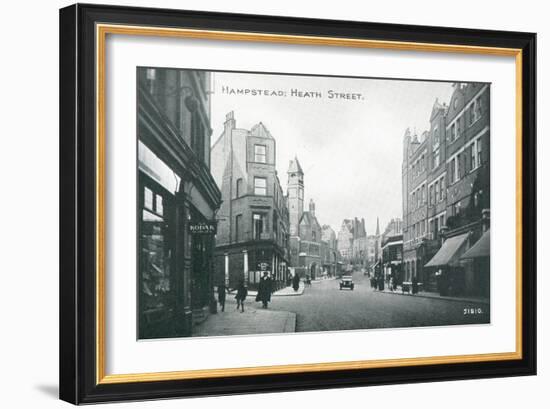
[{"x": 324, "y": 307}]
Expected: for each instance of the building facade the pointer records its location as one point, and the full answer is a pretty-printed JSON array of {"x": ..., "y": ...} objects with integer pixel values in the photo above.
[
  {"x": 177, "y": 201},
  {"x": 253, "y": 221},
  {"x": 392, "y": 257},
  {"x": 353, "y": 242},
  {"x": 312, "y": 247},
  {"x": 331, "y": 254},
  {"x": 345, "y": 241},
  {"x": 446, "y": 192}
]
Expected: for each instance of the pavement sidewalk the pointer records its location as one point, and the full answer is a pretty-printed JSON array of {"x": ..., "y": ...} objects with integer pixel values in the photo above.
[
  {"x": 286, "y": 291},
  {"x": 251, "y": 321},
  {"x": 427, "y": 294}
]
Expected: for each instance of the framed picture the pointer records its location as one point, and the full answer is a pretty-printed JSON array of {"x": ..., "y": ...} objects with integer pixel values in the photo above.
[{"x": 257, "y": 203}]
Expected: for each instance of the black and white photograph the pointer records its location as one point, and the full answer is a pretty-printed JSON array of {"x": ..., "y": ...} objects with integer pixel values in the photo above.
[{"x": 282, "y": 203}]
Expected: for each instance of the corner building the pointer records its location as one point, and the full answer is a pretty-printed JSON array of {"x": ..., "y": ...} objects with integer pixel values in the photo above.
[{"x": 253, "y": 221}]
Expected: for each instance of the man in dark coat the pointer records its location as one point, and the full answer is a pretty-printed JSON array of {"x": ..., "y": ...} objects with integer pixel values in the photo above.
[
  {"x": 242, "y": 292},
  {"x": 221, "y": 295},
  {"x": 296, "y": 282},
  {"x": 264, "y": 290}
]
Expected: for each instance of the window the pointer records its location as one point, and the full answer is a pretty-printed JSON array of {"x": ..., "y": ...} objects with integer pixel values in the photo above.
[
  {"x": 148, "y": 198},
  {"x": 197, "y": 136},
  {"x": 435, "y": 136},
  {"x": 151, "y": 73},
  {"x": 431, "y": 195},
  {"x": 441, "y": 188},
  {"x": 260, "y": 186},
  {"x": 436, "y": 158},
  {"x": 313, "y": 235},
  {"x": 478, "y": 143},
  {"x": 260, "y": 153},
  {"x": 454, "y": 170},
  {"x": 158, "y": 205},
  {"x": 471, "y": 113},
  {"x": 456, "y": 209},
  {"x": 258, "y": 220},
  {"x": 442, "y": 220},
  {"x": 436, "y": 191},
  {"x": 423, "y": 194},
  {"x": 478, "y": 108},
  {"x": 239, "y": 188},
  {"x": 473, "y": 156},
  {"x": 453, "y": 131},
  {"x": 238, "y": 227}
]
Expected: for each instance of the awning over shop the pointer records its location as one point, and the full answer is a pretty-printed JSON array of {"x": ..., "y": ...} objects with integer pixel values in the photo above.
[
  {"x": 481, "y": 248},
  {"x": 450, "y": 251}
]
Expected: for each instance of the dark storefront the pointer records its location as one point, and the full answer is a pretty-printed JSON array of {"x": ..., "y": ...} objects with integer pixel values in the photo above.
[{"x": 176, "y": 196}]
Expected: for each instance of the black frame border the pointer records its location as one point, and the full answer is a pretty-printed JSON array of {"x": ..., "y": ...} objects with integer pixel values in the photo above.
[{"x": 78, "y": 197}]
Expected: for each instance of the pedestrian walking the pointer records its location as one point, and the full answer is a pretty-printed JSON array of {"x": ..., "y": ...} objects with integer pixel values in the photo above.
[
  {"x": 242, "y": 292},
  {"x": 222, "y": 289},
  {"x": 414, "y": 285},
  {"x": 296, "y": 282},
  {"x": 264, "y": 290}
]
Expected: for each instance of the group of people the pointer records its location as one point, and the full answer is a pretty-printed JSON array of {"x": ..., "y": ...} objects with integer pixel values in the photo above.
[
  {"x": 265, "y": 289},
  {"x": 378, "y": 283}
]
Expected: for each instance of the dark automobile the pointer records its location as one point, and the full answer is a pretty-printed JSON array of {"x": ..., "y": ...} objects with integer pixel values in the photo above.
[{"x": 347, "y": 282}]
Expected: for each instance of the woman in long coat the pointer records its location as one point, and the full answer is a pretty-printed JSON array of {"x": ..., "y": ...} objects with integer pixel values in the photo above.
[{"x": 264, "y": 290}]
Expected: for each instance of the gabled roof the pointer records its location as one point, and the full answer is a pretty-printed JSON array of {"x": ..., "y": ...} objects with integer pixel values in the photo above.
[
  {"x": 294, "y": 166},
  {"x": 260, "y": 130},
  {"x": 309, "y": 219}
]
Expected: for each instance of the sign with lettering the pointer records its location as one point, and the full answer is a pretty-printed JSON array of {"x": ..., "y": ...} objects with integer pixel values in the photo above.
[{"x": 202, "y": 228}]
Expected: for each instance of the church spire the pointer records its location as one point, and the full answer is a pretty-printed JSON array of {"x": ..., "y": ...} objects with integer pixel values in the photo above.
[{"x": 377, "y": 226}]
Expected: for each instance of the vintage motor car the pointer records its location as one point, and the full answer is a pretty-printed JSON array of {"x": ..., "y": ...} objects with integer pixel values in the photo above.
[{"x": 347, "y": 282}]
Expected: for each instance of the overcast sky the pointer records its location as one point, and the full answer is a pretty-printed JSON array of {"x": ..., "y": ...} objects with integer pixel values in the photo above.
[{"x": 350, "y": 149}]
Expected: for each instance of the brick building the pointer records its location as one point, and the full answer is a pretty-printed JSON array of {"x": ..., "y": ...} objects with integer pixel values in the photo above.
[
  {"x": 446, "y": 193},
  {"x": 253, "y": 221}
]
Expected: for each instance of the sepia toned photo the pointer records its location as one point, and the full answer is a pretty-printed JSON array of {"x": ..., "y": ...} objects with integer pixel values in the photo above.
[{"x": 283, "y": 203}]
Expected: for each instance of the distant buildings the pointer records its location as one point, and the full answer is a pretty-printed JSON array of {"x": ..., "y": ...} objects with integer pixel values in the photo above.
[
  {"x": 446, "y": 194},
  {"x": 313, "y": 251},
  {"x": 331, "y": 256},
  {"x": 253, "y": 221},
  {"x": 353, "y": 242}
]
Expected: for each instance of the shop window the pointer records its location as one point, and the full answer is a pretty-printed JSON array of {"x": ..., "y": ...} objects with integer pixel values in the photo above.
[
  {"x": 158, "y": 205},
  {"x": 148, "y": 197},
  {"x": 155, "y": 261}
]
